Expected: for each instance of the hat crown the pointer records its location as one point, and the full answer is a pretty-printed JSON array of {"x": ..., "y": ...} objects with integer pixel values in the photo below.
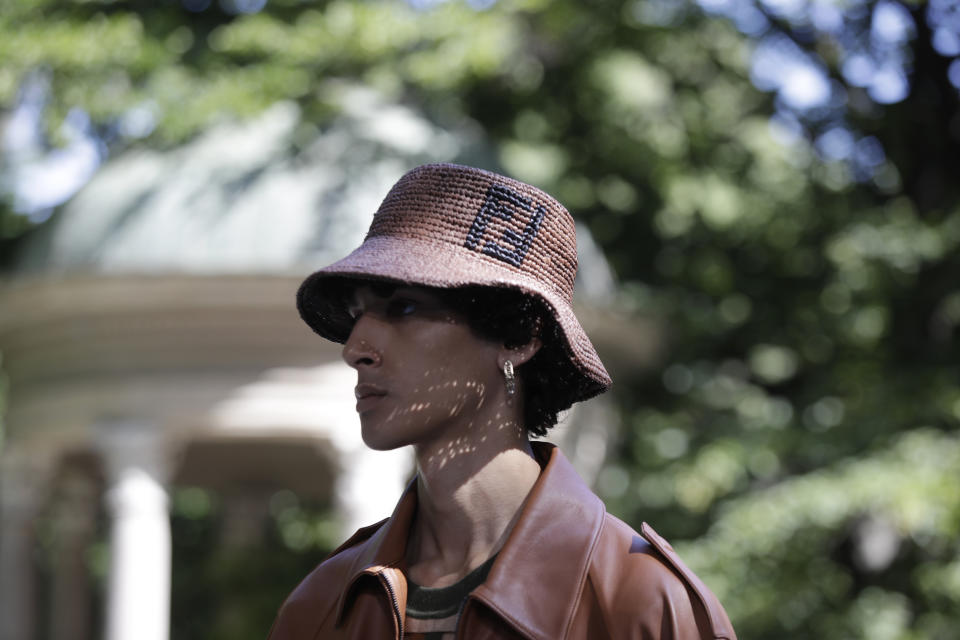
[{"x": 486, "y": 216}]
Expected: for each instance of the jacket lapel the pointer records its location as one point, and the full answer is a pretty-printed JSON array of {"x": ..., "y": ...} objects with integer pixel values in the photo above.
[
  {"x": 536, "y": 582},
  {"x": 382, "y": 556}
]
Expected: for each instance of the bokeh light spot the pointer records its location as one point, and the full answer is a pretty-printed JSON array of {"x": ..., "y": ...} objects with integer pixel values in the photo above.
[
  {"x": 946, "y": 42},
  {"x": 835, "y": 144},
  {"x": 678, "y": 379},
  {"x": 889, "y": 85},
  {"x": 953, "y": 73},
  {"x": 243, "y": 6},
  {"x": 804, "y": 86},
  {"x": 773, "y": 363},
  {"x": 858, "y": 70},
  {"x": 672, "y": 443},
  {"x": 891, "y": 23}
]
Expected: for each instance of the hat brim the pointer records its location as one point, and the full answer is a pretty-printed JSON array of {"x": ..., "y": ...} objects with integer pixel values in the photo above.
[{"x": 415, "y": 262}]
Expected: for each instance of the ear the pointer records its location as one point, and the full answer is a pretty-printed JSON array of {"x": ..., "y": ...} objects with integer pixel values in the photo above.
[{"x": 519, "y": 355}]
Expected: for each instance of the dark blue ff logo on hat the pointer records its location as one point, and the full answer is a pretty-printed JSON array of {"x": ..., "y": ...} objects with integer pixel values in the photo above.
[{"x": 503, "y": 203}]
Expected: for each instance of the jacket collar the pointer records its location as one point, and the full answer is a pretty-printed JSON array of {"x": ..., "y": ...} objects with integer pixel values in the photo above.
[
  {"x": 536, "y": 581},
  {"x": 384, "y": 549}
]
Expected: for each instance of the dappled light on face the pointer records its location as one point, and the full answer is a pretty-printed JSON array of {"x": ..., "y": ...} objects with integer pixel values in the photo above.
[
  {"x": 422, "y": 371},
  {"x": 502, "y": 423},
  {"x": 451, "y": 397},
  {"x": 435, "y": 387},
  {"x": 457, "y": 402},
  {"x": 468, "y": 445},
  {"x": 450, "y": 451},
  {"x": 413, "y": 408}
]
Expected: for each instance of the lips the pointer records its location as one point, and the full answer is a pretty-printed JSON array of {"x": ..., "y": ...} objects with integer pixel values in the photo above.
[
  {"x": 368, "y": 395},
  {"x": 367, "y": 389}
]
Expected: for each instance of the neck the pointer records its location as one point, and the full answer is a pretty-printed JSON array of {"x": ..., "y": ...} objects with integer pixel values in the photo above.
[{"x": 470, "y": 489}]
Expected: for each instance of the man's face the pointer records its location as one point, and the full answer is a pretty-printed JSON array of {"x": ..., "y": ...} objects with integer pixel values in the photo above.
[{"x": 422, "y": 374}]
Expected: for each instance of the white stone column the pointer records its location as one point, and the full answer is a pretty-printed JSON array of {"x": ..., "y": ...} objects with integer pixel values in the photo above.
[
  {"x": 371, "y": 481},
  {"x": 22, "y": 484},
  {"x": 138, "y": 592}
]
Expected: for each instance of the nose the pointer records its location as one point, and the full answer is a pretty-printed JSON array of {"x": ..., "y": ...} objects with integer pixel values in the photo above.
[{"x": 359, "y": 350}]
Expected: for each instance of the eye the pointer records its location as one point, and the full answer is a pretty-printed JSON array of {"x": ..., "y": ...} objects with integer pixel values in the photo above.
[{"x": 399, "y": 307}]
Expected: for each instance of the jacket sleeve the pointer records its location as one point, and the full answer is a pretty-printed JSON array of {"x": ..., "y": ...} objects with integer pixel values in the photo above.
[
  {"x": 649, "y": 594},
  {"x": 651, "y": 603}
]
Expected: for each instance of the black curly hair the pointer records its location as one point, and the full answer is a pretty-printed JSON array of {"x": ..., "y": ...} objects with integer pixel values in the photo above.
[{"x": 514, "y": 318}]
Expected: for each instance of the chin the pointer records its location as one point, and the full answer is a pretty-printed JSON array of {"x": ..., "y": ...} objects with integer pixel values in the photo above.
[
  {"x": 378, "y": 445},
  {"x": 377, "y": 440}
]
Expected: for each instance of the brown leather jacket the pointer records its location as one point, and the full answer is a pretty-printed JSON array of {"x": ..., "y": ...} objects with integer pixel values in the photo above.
[{"x": 568, "y": 570}]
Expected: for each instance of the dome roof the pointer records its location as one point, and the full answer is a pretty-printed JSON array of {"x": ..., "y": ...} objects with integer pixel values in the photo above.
[
  {"x": 241, "y": 198},
  {"x": 272, "y": 195}
]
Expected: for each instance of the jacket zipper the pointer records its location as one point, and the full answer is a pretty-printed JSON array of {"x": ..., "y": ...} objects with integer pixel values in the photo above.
[{"x": 394, "y": 601}]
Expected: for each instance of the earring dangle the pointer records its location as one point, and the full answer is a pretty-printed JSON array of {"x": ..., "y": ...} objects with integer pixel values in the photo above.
[{"x": 510, "y": 379}]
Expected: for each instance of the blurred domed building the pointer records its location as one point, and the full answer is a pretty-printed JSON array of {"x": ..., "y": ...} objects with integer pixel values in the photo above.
[{"x": 150, "y": 339}]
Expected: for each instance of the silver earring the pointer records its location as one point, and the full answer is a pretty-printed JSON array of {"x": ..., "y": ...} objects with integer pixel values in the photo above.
[{"x": 510, "y": 379}]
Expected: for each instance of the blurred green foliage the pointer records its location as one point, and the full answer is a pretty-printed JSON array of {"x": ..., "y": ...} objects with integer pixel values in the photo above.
[
  {"x": 230, "y": 591},
  {"x": 801, "y": 434}
]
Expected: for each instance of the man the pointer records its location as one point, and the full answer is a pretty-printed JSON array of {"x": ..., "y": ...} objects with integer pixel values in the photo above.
[{"x": 456, "y": 314}]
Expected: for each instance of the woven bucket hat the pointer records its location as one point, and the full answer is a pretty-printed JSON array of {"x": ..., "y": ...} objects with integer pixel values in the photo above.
[{"x": 448, "y": 226}]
